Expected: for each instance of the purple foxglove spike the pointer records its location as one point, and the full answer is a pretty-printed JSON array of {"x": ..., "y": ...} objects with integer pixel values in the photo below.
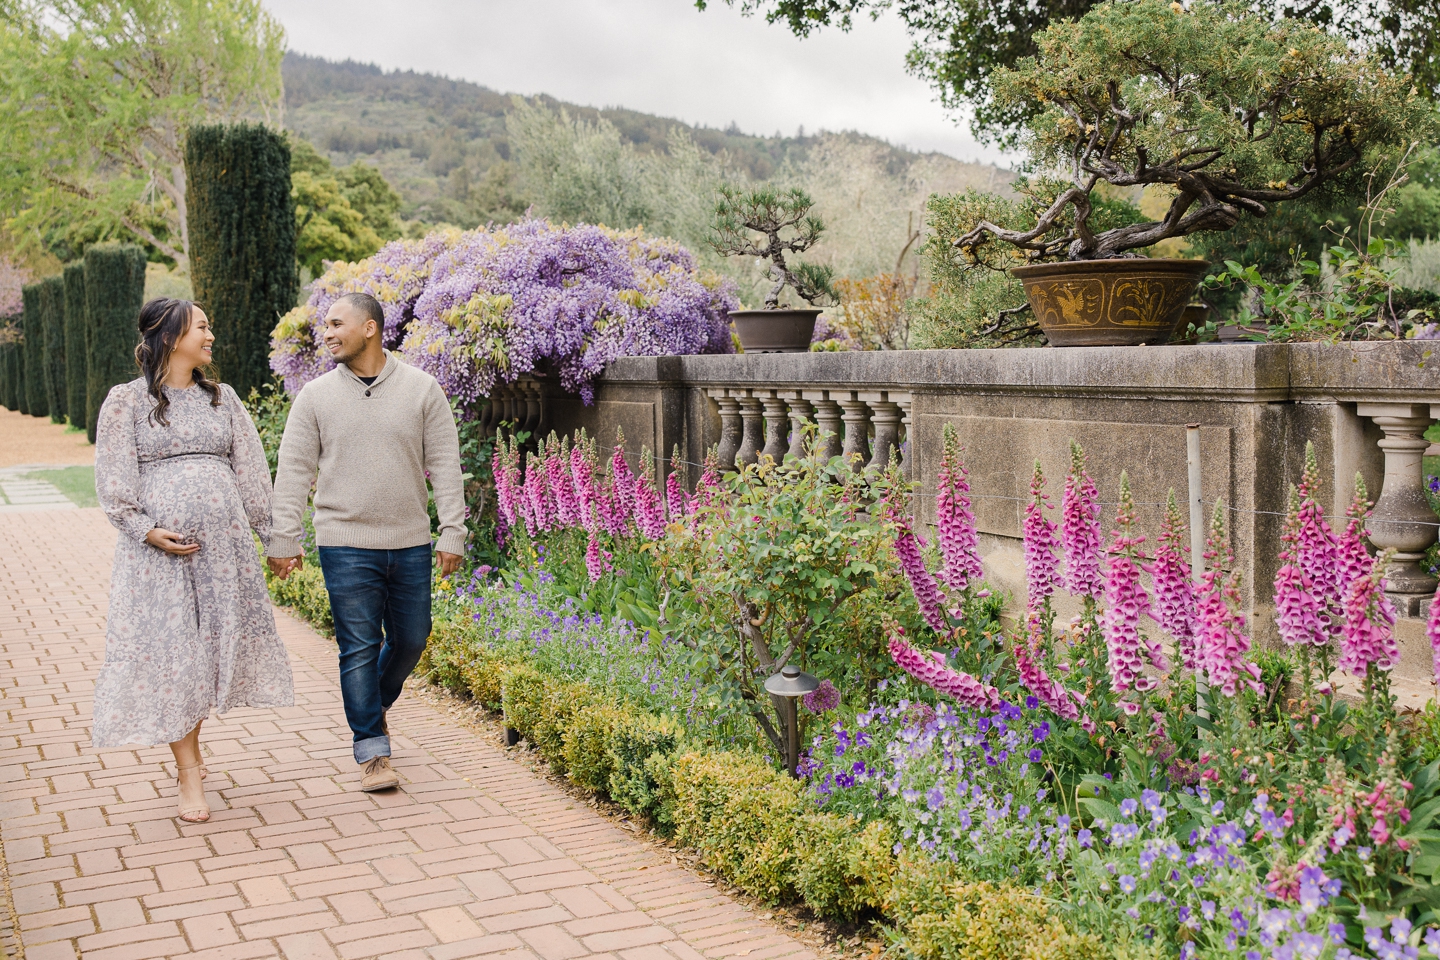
[
  {"x": 958, "y": 685},
  {"x": 955, "y": 520},
  {"x": 1041, "y": 563},
  {"x": 1080, "y": 529}
]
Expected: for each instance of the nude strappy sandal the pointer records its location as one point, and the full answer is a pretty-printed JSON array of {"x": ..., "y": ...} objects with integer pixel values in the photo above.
[{"x": 198, "y": 814}]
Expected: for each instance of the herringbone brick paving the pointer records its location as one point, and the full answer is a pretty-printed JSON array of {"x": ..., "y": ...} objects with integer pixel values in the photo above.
[{"x": 295, "y": 862}]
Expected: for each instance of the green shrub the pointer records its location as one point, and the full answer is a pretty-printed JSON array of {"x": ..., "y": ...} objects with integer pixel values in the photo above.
[
  {"x": 7, "y": 367},
  {"x": 844, "y": 870},
  {"x": 35, "y": 402},
  {"x": 743, "y": 816},
  {"x": 242, "y": 242},
  {"x": 639, "y": 750},
  {"x": 114, "y": 294},
  {"x": 52, "y": 319},
  {"x": 521, "y": 691},
  {"x": 77, "y": 368},
  {"x": 940, "y": 916},
  {"x": 304, "y": 592},
  {"x": 587, "y": 741},
  {"x": 444, "y": 655}
]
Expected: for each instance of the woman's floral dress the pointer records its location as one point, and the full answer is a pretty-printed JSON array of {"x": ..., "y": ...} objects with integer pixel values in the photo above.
[{"x": 185, "y": 635}]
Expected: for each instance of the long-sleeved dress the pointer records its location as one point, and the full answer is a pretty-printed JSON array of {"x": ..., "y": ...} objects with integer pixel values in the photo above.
[{"x": 184, "y": 635}]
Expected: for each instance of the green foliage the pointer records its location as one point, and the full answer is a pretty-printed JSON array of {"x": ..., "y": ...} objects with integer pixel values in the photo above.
[
  {"x": 639, "y": 749},
  {"x": 269, "y": 407},
  {"x": 52, "y": 319},
  {"x": 77, "y": 354},
  {"x": 95, "y": 98},
  {"x": 303, "y": 591},
  {"x": 242, "y": 234},
  {"x": 114, "y": 293},
  {"x": 845, "y": 869},
  {"x": 341, "y": 214},
  {"x": 587, "y": 738},
  {"x": 37, "y": 402},
  {"x": 786, "y": 226},
  {"x": 541, "y": 709},
  {"x": 9, "y": 371}
]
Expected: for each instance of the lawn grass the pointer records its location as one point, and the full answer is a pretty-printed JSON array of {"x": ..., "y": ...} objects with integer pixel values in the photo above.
[{"x": 77, "y": 483}]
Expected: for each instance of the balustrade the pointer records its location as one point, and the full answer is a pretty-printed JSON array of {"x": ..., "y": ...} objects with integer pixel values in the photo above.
[{"x": 756, "y": 422}]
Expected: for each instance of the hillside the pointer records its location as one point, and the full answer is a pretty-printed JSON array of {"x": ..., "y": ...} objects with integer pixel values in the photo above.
[{"x": 442, "y": 143}]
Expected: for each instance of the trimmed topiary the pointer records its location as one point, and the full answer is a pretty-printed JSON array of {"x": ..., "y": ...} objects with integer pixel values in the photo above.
[
  {"x": 77, "y": 356},
  {"x": 52, "y": 318},
  {"x": 242, "y": 242},
  {"x": 35, "y": 402},
  {"x": 9, "y": 374},
  {"x": 114, "y": 294}
]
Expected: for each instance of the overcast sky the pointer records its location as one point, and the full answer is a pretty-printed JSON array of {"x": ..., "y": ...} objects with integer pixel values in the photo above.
[{"x": 656, "y": 56}]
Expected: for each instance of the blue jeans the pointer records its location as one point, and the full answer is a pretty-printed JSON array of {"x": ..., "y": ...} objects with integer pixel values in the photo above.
[{"x": 380, "y": 600}]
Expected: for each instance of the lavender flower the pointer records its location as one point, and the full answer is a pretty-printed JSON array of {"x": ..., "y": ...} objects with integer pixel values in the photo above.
[{"x": 822, "y": 699}]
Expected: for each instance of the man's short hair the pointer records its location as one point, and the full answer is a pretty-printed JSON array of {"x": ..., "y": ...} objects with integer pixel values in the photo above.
[{"x": 367, "y": 305}]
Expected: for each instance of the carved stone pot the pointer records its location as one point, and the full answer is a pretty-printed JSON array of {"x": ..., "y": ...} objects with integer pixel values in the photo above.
[
  {"x": 775, "y": 331},
  {"x": 1110, "y": 303}
]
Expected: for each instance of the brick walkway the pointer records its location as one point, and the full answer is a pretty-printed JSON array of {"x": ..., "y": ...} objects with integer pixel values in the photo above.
[{"x": 474, "y": 856}]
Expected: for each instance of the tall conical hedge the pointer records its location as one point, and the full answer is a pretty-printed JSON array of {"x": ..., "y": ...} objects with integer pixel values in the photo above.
[
  {"x": 36, "y": 403},
  {"x": 52, "y": 318},
  {"x": 77, "y": 359},
  {"x": 114, "y": 293},
  {"x": 242, "y": 242},
  {"x": 7, "y": 374}
]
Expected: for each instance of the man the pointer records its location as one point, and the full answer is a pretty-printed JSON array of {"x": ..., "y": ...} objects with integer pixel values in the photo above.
[{"x": 373, "y": 427}]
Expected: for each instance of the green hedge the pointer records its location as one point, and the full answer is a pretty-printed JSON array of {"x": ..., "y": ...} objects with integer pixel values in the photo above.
[
  {"x": 52, "y": 318},
  {"x": 242, "y": 242},
  {"x": 114, "y": 294},
  {"x": 34, "y": 401},
  {"x": 77, "y": 358},
  {"x": 9, "y": 371}
]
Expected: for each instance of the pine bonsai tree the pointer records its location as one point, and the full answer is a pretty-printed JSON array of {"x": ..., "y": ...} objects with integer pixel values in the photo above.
[
  {"x": 52, "y": 316},
  {"x": 77, "y": 356},
  {"x": 785, "y": 225},
  {"x": 114, "y": 293},
  {"x": 242, "y": 242},
  {"x": 35, "y": 402}
]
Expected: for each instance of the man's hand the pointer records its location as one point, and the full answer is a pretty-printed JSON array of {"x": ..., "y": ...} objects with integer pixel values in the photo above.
[
  {"x": 449, "y": 562},
  {"x": 282, "y": 567}
]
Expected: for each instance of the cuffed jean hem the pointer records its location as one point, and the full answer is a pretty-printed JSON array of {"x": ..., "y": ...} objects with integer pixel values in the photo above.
[{"x": 366, "y": 750}]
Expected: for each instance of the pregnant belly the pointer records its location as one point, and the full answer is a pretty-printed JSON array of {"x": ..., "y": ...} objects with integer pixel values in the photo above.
[{"x": 193, "y": 496}]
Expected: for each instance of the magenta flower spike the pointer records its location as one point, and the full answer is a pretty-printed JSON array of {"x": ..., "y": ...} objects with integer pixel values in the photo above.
[
  {"x": 927, "y": 592},
  {"x": 1432, "y": 630},
  {"x": 1316, "y": 550},
  {"x": 1368, "y": 637},
  {"x": 1221, "y": 640},
  {"x": 1352, "y": 559},
  {"x": 596, "y": 560},
  {"x": 537, "y": 494},
  {"x": 932, "y": 671},
  {"x": 1125, "y": 599},
  {"x": 1174, "y": 605},
  {"x": 677, "y": 501},
  {"x": 1053, "y": 694},
  {"x": 1080, "y": 529},
  {"x": 709, "y": 486},
  {"x": 1298, "y": 614},
  {"x": 1041, "y": 563},
  {"x": 649, "y": 513},
  {"x": 622, "y": 484},
  {"x": 954, "y": 519},
  {"x": 582, "y": 473},
  {"x": 505, "y": 492},
  {"x": 557, "y": 473}
]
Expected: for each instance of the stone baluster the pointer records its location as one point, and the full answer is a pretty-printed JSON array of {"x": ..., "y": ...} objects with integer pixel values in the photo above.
[
  {"x": 777, "y": 427},
  {"x": 752, "y": 417},
  {"x": 1402, "y": 519},
  {"x": 490, "y": 416},
  {"x": 885, "y": 414},
  {"x": 731, "y": 429},
  {"x": 907, "y": 448},
  {"x": 830, "y": 420},
  {"x": 856, "y": 448},
  {"x": 530, "y": 391},
  {"x": 801, "y": 411}
]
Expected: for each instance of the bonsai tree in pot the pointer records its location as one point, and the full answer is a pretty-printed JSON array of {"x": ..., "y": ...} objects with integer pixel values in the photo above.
[
  {"x": 1225, "y": 110},
  {"x": 784, "y": 226}
]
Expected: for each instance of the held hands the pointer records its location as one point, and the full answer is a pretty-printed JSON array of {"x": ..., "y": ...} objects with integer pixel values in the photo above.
[
  {"x": 282, "y": 567},
  {"x": 449, "y": 562},
  {"x": 172, "y": 543}
]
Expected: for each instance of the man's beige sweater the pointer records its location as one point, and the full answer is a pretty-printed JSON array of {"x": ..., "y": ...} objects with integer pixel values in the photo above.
[{"x": 373, "y": 446}]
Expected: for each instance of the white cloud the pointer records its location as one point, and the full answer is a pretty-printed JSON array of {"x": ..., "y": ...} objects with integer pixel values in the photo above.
[{"x": 656, "y": 56}]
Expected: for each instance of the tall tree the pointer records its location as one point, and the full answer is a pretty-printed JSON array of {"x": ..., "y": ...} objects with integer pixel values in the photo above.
[
  {"x": 957, "y": 44},
  {"x": 243, "y": 232},
  {"x": 96, "y": 97},
  {"x": 36, "y": 403},
  {"x": 114, "y": 293},
  {"x": 52, "y": 319}
]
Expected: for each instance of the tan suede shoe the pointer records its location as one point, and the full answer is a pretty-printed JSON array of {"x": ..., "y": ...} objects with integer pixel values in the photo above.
[{"x": 377, "y": 774}]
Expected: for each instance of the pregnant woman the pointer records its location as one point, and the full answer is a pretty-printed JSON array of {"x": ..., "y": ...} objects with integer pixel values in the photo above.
[{"x": 180, "y": 471}]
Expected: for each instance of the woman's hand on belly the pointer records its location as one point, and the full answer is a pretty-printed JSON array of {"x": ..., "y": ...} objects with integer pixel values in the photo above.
[{"x": 171, "y": 542}]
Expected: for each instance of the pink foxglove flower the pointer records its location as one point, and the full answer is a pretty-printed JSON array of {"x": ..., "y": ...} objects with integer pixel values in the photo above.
[
  {"x": 932, "y": 671},
  {"x": 622, "y": 483},
  {"x": 954, "y": 520},
  {"x": 677, "y": 502},
  {"x": 1174, "y": 606},
  {"x": 582, "y": 473},
  {"x": 557, "y": 473},
  {"x": 1040, "y": 543},
  {"x": 1221, "y": 639},
  {"x": 709, "y": 486},
  {"x": 1352, "y": 559},
  {"x": 1432, "y": 630},
  {"x": 1053, "y": 694},
  {"x": 506, "y": 494},
  {"x": 1080, "y": 529},
  {"x": 649, "y": 514},
  {"x": 1298, "y": 614},
  {"x": 1125, "y": 599},
  {"x": 927, "y": 592},
  {"x": 1368, "y": 638},
  {"x": 537, "y": 495},
  {"x": 1316, "y": 548},
  {"x": 597, "y": 561}
]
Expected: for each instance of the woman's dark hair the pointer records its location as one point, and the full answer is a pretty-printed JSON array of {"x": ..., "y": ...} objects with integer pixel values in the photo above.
[{"x": 163, "y": 322}]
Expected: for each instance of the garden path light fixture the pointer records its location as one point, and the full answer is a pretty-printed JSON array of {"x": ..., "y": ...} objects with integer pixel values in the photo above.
[{"x": 787, "y": 687}]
